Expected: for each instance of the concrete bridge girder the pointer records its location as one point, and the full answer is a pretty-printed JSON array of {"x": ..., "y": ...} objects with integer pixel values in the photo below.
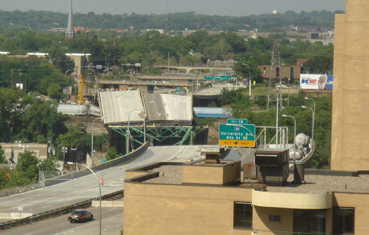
[{"x": 189, "y": 69}]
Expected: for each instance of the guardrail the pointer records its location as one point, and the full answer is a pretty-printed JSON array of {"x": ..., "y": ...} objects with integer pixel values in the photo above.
[
  {"x": 19, "y": 190},
  {"x": 58, "y": 212}
]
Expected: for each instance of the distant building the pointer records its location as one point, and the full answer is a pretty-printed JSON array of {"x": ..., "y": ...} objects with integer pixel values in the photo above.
[
  {"x": 69, "y": 33},
  {"x": 38, "y": 54},
  {"x": 12, "y": 150},
  {"x": 78, "y": 29},
  {"x": 300, "y": 61},
  {"x": 280, "y": 72}
]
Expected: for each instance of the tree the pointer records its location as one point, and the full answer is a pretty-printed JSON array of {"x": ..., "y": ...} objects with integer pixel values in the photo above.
[
  {"x": 111, "y": 154},
  {"x": 54, "y": 91},
  {"x": 2, "y": 157},
  {"x": 49, "y": 164},
  {"x": 27, "y": 167}
]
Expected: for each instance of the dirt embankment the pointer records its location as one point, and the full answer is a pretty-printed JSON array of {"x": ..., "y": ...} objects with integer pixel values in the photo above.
[
  {"x": 213, "y": 136},
  {"x": 99, "y": 128}
]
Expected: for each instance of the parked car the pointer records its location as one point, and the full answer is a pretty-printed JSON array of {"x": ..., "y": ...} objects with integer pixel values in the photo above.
[{"x": 80, "y": 215}]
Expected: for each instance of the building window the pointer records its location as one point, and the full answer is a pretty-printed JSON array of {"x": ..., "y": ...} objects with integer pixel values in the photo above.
[
  {"x": 343, "y": 220},
  {"x": 309, "y": 221},
  {"x": 277, "y": 72},
  {"x": 242, "y": 215},
  {"x": 274, "y": 218},
  {"x": 292, "y": 73}
]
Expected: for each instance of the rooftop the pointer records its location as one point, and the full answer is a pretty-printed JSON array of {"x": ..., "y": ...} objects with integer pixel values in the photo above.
[{"x": 315, "y": 184}]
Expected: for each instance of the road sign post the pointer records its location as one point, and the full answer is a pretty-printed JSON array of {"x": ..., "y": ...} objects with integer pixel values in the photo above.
[{"x": 237, "y": 135}]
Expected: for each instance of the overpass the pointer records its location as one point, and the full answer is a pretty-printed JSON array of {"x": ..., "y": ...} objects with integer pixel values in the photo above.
[
  {"x": 116, "y": 83},
  {"x": 189, "y": 69}
]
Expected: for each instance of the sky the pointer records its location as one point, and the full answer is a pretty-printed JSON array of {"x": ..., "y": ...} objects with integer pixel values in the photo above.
[{"x": 209, "y": 7}]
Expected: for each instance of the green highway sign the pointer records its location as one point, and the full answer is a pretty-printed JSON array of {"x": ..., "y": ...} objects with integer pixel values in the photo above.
[
  {"x": 237, "y": 135},
  {"x": 236, "y": 121}
]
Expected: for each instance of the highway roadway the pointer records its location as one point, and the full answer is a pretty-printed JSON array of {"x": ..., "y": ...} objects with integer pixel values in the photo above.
[
  {"x": 155, "y": 107},
  {"x": 112, "y": 223},
  {"x": 84, "y": 188},
  {"x": 214, "y": 90}
]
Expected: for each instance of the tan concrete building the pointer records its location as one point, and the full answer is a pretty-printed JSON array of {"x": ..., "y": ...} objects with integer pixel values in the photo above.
[
  {"x": 280, "y": 72},
  {"x": 200, "y": 198},
  {"x": 350, "y": 110},
  {"x": 12, "y": 150}
]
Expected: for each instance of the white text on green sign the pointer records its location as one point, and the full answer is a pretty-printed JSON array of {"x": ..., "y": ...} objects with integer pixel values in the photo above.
[{"x": 237, "y": 121}]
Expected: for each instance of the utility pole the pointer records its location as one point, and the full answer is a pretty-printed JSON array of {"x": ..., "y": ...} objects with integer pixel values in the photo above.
[
  {"x": 11, "y": 79},
  {"x": 168, "y": 61},
  {"x": 270, "y": 76}
]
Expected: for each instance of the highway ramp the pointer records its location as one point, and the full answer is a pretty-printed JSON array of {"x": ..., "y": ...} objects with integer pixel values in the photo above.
[{"x": 85, "y": 188}]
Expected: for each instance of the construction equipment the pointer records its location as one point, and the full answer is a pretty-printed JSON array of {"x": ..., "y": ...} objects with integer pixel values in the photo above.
[{"x": 80, "y": 99}]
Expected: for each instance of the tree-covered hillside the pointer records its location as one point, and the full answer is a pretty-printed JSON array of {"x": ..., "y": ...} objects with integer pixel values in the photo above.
[{"x": 43, "y": 20}]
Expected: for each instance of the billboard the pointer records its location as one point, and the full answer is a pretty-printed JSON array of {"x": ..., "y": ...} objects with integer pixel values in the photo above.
[{"x": 316, "y": 81}]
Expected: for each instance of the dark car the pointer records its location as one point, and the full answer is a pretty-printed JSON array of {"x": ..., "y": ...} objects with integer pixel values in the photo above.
[{"x": 80, "y": 216}]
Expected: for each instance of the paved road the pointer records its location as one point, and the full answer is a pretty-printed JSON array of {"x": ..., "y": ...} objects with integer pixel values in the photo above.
[
  {"x": 213, "y": 91},
  {"x": 155, "y": 107},
  {"x": 112, "y": 223},
  {"x": 84, "y": 188}
]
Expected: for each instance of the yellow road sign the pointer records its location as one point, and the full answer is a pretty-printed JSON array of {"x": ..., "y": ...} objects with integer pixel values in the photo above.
[{"x": 239, "y": 143}]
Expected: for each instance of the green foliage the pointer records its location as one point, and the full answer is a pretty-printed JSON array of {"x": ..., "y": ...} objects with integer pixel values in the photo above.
[
  {"x": 27, "y": 168},
  {"x": 4, "y": 177},
  {"x": 204, "y": 121},
  {"x": 176, "y": 21},
  {"x": 101, "y": 141},
  {"x": 2, "y": 157},
  {"x": 234, "y": 97},
  {"x": 322, "y": 132},
  {"x": 28, "y": 118},
  {"x": 111, "y": 154},
  {"x": 76, "y": 138},
  {"x": 54, "y": 91},
  {"x": 49, "y": 164}
]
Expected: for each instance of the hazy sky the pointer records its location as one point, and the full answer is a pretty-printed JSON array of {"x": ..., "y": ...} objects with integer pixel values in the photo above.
[{"x": 210, "y": 7}]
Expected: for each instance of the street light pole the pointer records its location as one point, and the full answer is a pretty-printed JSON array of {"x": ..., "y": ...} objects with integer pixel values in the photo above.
[
  {"x": 98, "y": 182},
  {"x": 64, "y": 151},
  {"x": 107, "y": 69},
  {"x": 92, "y": 137},
  {"x": 312, "y": 132},
  {"x": 294, "y": 135},
  {"x": 312, "y": 125},
  {"x": 249, "y": 78},
  {"x": 276, "y": 121}
]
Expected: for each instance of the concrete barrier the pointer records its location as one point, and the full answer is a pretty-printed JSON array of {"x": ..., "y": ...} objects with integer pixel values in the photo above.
[
  {"x": 96, "y": 203},
  {"x": 52, "y": 213},
  {"x": 118, "y": 161},
  {"x": 14, "y": 215}
]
